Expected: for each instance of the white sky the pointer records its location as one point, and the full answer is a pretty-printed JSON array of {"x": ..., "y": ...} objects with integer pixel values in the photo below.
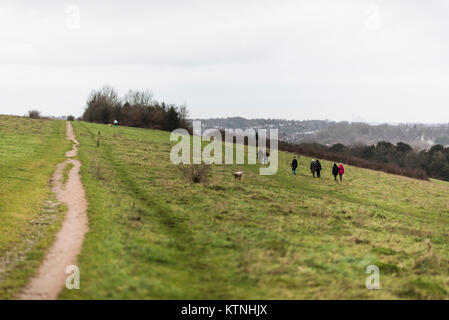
[{"x": 372, "y": 60}]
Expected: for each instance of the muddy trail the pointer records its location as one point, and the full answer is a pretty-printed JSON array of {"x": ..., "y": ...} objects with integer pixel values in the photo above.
[{"x": 51, "y": 277}]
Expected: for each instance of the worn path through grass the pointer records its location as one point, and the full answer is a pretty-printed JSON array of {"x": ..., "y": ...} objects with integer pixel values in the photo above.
[{"x": 51, "y": 277}]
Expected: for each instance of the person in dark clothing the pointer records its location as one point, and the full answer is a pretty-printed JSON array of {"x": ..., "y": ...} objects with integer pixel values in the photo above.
[
  {"x": 335, "y": 171},
  {"x": 294, "y": 165},
  {"x": 318, "y": 168},
  {"x": 313, "y": 168}
]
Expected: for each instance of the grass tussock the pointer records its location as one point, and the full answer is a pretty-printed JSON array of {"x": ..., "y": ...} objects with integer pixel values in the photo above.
[
  {"x": 196, "y": 173},
  {"x": 65, "y": 172},
  {"x": 97, "y": 170}
]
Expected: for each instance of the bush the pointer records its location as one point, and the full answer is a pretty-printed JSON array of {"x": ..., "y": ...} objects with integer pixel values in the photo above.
[
  {"x": 70, "y": 118},
  {"x": 196, "y": 173},
  {"x": 34, "y": 114}
]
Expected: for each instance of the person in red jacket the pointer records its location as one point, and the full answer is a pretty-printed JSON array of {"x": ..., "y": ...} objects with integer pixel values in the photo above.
[{"x": 341, "y": 171}]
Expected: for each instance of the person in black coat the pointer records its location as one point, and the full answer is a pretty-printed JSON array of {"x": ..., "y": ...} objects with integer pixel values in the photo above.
[
  {"x": 313, "y": 168},
  {"x": 335, "y": 171},
  {"x": 294, "y": 165},
  {"x": 318, "y": 168}
]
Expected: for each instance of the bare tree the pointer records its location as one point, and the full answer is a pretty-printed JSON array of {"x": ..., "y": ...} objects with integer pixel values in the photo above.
[{"x": 139, "y": 98}]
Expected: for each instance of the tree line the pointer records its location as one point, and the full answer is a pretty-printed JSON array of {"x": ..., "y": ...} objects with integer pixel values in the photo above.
[{"x": 135, "y": 109}]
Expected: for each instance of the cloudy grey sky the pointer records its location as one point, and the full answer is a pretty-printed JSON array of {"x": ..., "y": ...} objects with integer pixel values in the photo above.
[{"x": 371, "y": 60}]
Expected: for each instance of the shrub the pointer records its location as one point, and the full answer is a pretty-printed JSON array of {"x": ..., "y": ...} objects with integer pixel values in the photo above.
[
  {"x": 34, "y": 114},
  {"x": 196, "y": 173},
  {"x": 70, "y": 118}
]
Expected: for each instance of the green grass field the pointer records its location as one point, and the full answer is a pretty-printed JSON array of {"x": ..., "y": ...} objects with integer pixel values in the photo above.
[
  {"x": 29, "y": 153},
  {"x": 155, "y": 235}
]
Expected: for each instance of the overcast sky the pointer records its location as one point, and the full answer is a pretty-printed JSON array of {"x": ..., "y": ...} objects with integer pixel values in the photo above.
[{"x": 370, "y": 60}]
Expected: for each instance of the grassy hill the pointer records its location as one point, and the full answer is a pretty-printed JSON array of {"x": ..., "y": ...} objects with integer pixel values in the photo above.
[{"x": 155, "y": 235}]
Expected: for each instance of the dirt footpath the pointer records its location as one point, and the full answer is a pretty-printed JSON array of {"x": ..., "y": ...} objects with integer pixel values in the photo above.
[{"x": 51, "y": 277}]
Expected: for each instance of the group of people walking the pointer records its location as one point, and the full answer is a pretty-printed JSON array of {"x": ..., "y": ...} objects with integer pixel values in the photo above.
[{"x": 315, "y": 168}]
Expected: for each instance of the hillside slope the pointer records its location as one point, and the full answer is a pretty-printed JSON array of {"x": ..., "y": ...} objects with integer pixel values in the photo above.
[{"x": 153, "y": 234}]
